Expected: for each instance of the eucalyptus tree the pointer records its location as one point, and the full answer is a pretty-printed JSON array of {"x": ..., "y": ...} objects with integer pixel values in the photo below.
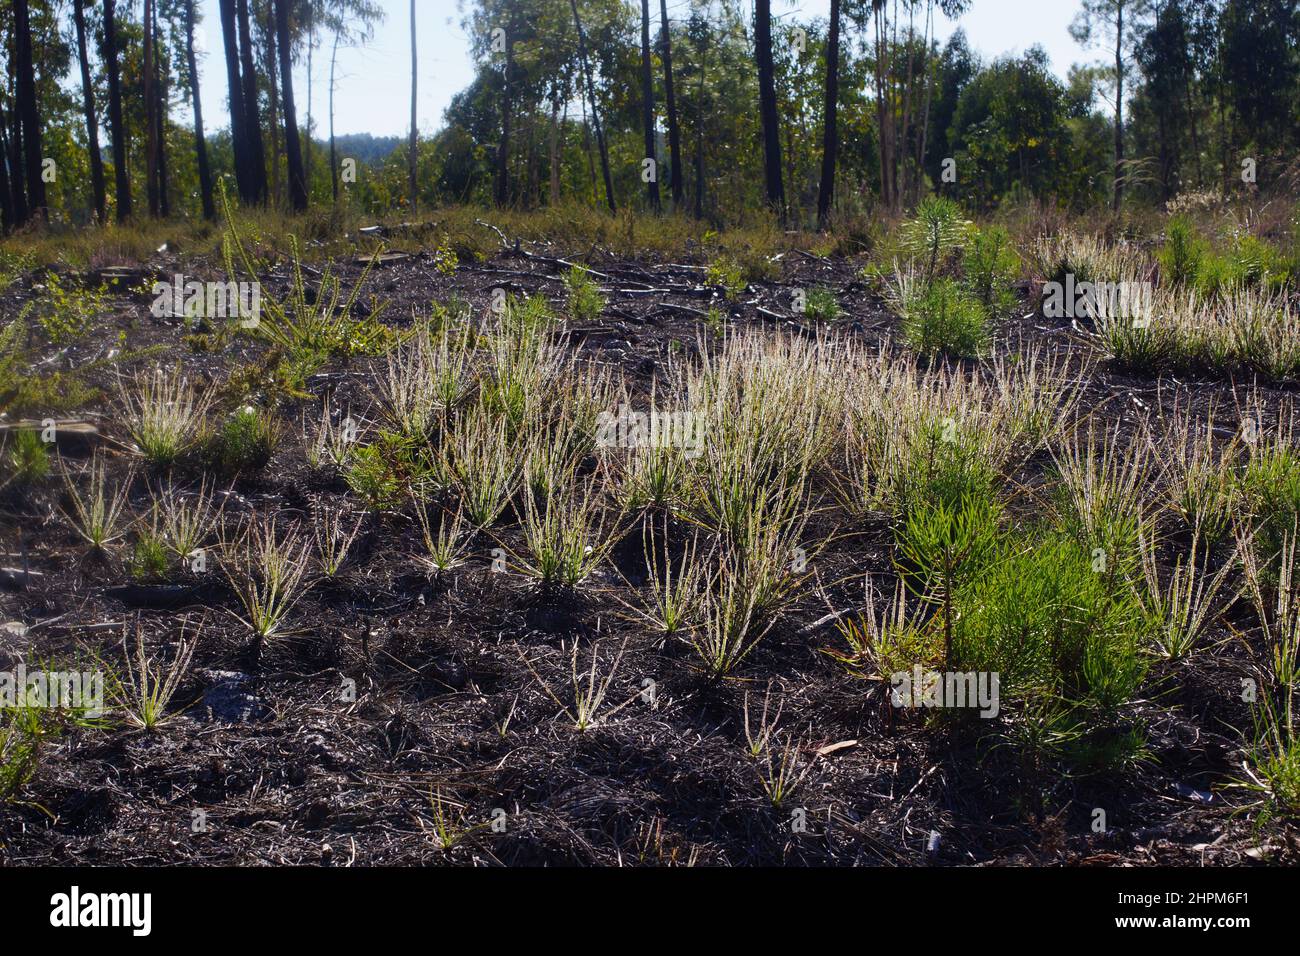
[
  {"x": 1116, "y": 25},
  {"x": 98, "y": 197}
]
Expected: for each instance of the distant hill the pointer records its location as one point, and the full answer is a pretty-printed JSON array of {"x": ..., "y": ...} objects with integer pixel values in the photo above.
[{"x": 363, "y": 147}]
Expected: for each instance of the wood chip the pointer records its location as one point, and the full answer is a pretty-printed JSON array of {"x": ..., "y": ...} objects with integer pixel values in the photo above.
[{"x": 832, "y": 748}]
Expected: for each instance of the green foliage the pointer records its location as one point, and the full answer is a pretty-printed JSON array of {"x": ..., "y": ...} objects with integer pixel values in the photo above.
[
  {"x": 68, "y": 312},
  {"x": 565, "y": 539},
  {"x": 246, "y": 441},
  {"x": 1275, "y": 757},
  {"x": 22, "y": 734},
  {"x": 944, "y": 319},
  {"x": 1254, "y": 260},
  {"x": 445, "y": 258},
  {"x": 1250, "y": 262},
  {"x": 526, "y": 317},
  {"x": 1182, "y": 253},
  {"x": 24, "y": 390},
  {"x": 12, "y": 266},
  {"x": 26, "y": 458},
  {"x": 1015, "y": 133},
  {"x": 943, "y": 550},
  {"x": 934, "y": 233},
  {"x": 308, "y": 326},
  {"x": 990, "y": 264},
  {"x": 726, "y": 273},
  {"x": 585, "y": 301},
  {"x": 1269, "y": 487},
  {"x": 946, "y": 465},
  {"x": 164, "y": 414},
  {"x": 1141, "y": 346},
  {"x": 1217, "y": 275},
  {"x": 382, "y": 473},
  {"x": 1045, "y": 620},
  {"x": 821, "y": 305},
  {"x": 149, "y": 560}
]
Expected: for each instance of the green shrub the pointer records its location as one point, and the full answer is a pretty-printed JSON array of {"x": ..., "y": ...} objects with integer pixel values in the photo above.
[
  {"x": 934, "y": 233},
  {"x": 1182, "y": 253},
  {"x": 148, "y": 561},
  {"x": 1218, "y": 275},
  {"x": 527, "y": 316},
  {"x": 1145, "y": 346},
  {"x": 12, "y": 266},
  {"x": 726, "y": 272},
  {"x": 69, "y": 312},
  {"x": 1047, "y": 621},
  {"x": 1257, "y": 262},
  {"x": 22, "y": 732},
  {"x": 1274, "y": 760},
  {"x": 307, "y": 325},
  {"x": 990, "y": 264},
  {"x": 821, "y": 305},
  {"x": 585, "y": 300},
  {"x": 247, "y": 441},
  {"x": 383, "y": 472},
  {"x": 946, "y": 465},
  {"x": 943, "y": 550},
  {"x": 26, "y": 458},
  {"x": 1269, "y": 486},
  {"x": 943, "y": 318}
]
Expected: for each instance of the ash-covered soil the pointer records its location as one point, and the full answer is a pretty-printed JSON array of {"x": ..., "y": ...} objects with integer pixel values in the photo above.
[{"x": 401, "y": 705}]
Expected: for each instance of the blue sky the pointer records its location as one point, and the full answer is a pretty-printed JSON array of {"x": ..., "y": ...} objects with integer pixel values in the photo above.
[{"x": 373, "y": 93}]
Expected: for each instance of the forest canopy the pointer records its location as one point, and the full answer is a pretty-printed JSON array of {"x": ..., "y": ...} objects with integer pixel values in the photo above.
[{"x": 709, "y": 108}]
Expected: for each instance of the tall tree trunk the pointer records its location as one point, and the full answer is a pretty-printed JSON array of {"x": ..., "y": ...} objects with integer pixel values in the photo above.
[
  {"x": 6, "y": 197},
  {"x": 670, "y": 101},
  {"x": 7, "y": 219},
  {"x": 534, "y": 164},
  {"x": 200, "y": 141},
  {"x": 648, "y": 109},
  {"x": 905, "y": 128},
  {"x": 1119, "y": 106},
  {"x": 503, "y": 147},
  {"x": 1189, "y": 77},
  {"x": 891, "y": 81},
  {"x": 767, "y": 106},
  {"x": 699, "y": 137},
  {"x": 929, "y": 95},
  {"x": 553, "y": 152},
  {"x": 29, "y": 112},
  {"x": 830, "y": 131},
  {"x": 252, "y": 112},
  {"x": 271, "y": 69},
  {"x": 14, "y": 153},
  {"x": 311, "y": 130},
  {"x": 150, "y": 112},
  {"x": 334, "y": 155},
  {"x": 121, "y": 181},
  {"x": 884, "y": 104},
  {"x": 292, "y": 145},
  {"x": 162, "y": 71},
  {"x": 413, "y": 155},
  {"x": 98, "y": 197},
  {"x": 235, "y": 90},
  {"x": 591, "y": 101},
  {"x": 586, "y": 143}
]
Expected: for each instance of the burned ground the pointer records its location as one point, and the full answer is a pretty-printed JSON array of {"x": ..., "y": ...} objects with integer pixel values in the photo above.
[{"x": 273, "y": 760}]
